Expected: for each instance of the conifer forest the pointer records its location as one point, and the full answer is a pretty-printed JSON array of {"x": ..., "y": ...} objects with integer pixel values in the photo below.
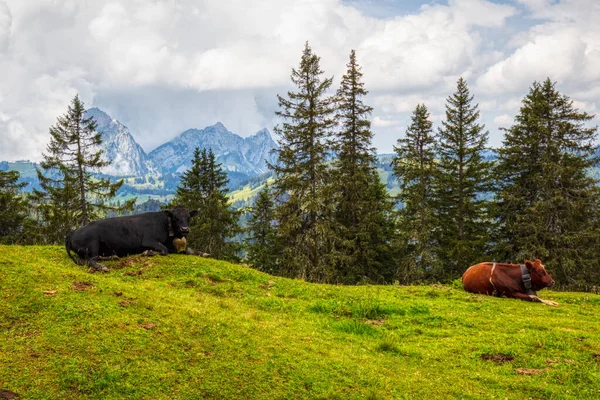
[{"x": 325, "y": 216}]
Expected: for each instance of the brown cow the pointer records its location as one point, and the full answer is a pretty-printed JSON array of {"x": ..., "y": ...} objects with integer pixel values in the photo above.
[{"x": 510, "y": 280}]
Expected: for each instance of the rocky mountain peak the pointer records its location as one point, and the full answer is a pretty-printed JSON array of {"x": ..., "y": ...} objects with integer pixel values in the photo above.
[
  {"x": 101, "y": 118},
  {"x": 219, "y": 127},
  {"x": 262, "y": 134},
  {"x": 127, "y": 158}
]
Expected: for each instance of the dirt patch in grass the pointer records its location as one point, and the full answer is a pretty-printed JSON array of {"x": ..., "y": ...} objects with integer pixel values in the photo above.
[
  {"x": 81, "y": 286},
  {"x": 497, "y": 358},
  {"x": 123, "y": 263},
  {"x": 125, "y": 303},
  {"x": 528, "y": 371},
  {"x": 148, "y": 325},
  {"x": 375, "y": 322},
  {"x": 132, "y": 261},
  {"x": 8, "y": 395}
]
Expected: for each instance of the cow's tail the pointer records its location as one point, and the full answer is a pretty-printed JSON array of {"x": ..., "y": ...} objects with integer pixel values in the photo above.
[{"x": 69, "y": 246}]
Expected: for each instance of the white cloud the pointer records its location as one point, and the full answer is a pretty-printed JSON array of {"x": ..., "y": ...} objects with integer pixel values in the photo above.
[
  {"x": 418, "y": 51},
  {"x": 384, "y": 122},
  {"x": 588, "y": 107},
  {"x": 481, "y": 13},
  {"x": 503, "y": 120},
  {"x": 561, "y": 10},
  {"x": 562, "y": 54},
  {"x": 162, "y": 66},
  {"x": 112, "y": 19},
  {"x": 5, "y": 24},
  {"x": 564, "y": 47}
]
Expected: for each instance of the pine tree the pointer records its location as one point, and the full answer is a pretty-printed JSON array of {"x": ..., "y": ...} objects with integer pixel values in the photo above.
[
  {"x": 364, "y": 211},
  {"x": 192, "y": 188},
  {"x": 204, "y": 188},
  {"x": 415, "y": 166},
  {"x": 463, "y": 178},
  {"x": 13, "y": 208},
  {"x": 262, "y": 244},
  {"x": 71, "y": 196},
  {"x": 302, "y": 176},
  {"x": 547, "y": 204}
]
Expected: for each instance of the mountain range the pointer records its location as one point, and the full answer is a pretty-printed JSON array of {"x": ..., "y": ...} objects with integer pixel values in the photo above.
[
  {"x": 155, "y": 175},
  {"x": 247, "y": 156}
]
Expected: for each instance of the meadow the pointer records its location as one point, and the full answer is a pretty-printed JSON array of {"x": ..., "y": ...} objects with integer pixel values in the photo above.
[{"x": 182, "y": 327}]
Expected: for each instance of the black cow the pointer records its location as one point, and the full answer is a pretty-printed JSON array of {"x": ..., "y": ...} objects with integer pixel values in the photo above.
[{"x": 150, "y": 233}]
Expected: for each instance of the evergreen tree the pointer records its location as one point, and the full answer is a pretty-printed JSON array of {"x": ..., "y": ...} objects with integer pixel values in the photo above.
[
  {"x": 71, "y": 196},
  {"x": 262, "y": 244},
  {"x": 193, "y": 186},
  {"x": 547, "y": 204},
  {"x": 463, "y": 178},
  {"x": 305, "y": 212},
  {"x": 415, "y": 166},
  {"x": 13, "y": 208},
  {"x": 203, "y": 187},
  {"x": 364, "y": 211}
]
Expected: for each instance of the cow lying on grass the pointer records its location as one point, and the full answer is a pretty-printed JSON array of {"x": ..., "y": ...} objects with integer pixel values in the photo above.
[
  {"x": 149, "y": 233},
  {"x": 510, "y": 280}
]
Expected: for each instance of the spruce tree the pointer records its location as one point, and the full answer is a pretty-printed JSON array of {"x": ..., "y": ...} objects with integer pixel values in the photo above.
[
  {"x": 13, "y": 208},
  {"x": 364, "y": 211},
  {"x": 464, "y": 176},
  {"x": 305, "y": 212},
  {"x": 415, "y": 166},
  {"x": 547, "y": 204},
  {"x": 203, "y": 187},
  {"x": 262, "y": 244},
  {"x": 70, "y": 195},
  {"x": 192, "y": 187}
]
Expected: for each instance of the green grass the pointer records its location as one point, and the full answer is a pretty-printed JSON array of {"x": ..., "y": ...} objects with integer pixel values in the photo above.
[
  {"x": 248, "y": 192},
  {"x": 180, "y": 327}
]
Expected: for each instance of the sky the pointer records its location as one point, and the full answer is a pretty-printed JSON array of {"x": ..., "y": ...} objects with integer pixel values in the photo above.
[{"x": 163, "y": 66}]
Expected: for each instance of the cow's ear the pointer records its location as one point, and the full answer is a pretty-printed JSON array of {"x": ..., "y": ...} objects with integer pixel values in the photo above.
[
  {"x": 528, "y": 265},
  {"x": 193, "y": 213},
  {"x": 169, "y": 213}
]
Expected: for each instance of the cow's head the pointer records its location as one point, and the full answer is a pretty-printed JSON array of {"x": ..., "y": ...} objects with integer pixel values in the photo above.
[
  {"x": 539, "y": 277},
  {"x": 180, "y": 220}
]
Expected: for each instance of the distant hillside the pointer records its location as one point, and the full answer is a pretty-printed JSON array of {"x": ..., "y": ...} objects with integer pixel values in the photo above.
[
  {"x": 245, "y": 194},
  {"x": 180, "y": 327}
]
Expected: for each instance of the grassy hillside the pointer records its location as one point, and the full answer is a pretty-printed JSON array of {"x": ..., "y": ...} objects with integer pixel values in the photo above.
[
  {"x": 247, "y": 194},
  {"x": 180, "y": 327}
]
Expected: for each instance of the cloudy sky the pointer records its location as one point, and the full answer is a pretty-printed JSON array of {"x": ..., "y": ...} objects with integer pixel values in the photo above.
[{"x": 163, "y": 66}]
